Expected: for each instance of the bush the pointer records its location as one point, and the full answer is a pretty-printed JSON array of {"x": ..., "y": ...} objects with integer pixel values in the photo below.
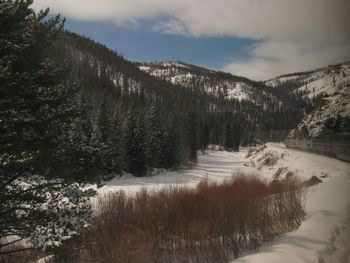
[{"x": 210, "y": 223}]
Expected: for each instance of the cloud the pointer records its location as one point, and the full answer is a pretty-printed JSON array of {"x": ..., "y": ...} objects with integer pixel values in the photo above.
[
  {"x": 173, "y": 27},
  {"x": 293, "y": 34},
  {"x": 271, "y": 58}
]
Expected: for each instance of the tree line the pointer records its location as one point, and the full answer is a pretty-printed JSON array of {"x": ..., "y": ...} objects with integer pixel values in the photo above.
[{"x": 133, "y": 122}]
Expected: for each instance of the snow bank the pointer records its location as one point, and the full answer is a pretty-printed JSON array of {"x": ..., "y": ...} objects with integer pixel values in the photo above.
[{"x": 324, "y": 235}]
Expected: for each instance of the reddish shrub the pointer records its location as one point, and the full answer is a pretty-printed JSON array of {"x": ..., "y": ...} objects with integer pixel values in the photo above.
[{"x": 210, "y": 223}]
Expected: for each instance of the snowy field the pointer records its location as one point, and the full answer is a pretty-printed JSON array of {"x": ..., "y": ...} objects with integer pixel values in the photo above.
[
  {"x": 213, "y": 165},
  {"x": 324, "y": 236}
]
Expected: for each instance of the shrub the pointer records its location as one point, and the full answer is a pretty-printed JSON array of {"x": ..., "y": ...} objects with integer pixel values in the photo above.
[{"x": 213, "y": 222}]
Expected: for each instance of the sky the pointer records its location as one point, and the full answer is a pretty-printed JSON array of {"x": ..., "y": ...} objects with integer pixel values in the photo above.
[{"x": 258, "y": 39}]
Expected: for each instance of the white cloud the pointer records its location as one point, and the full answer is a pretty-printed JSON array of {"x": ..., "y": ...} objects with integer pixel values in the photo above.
[
  {"x": 294, "y": 34},
  {"x": 173, "y": 27},
  {"x": 270, "y": 59}
]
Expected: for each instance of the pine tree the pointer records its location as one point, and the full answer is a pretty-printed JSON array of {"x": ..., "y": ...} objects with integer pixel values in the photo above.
[
  {"x": 192, "y": 135},
  {"x": 114, "y": 154},
  {"x": 30, "y": 96},
  {"x": 155, "y": 138},
  {"x": 228, "y": 139},
  {"x": 34, "y": 119},
  {"x": 173, "y": 152},
  {"x": 204, "y": 138},
  {"x": 236, "y": 136},
  {"x": 135, "y": 145}
]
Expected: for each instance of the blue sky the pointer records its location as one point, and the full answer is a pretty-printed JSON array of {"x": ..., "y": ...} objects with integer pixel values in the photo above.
[
  {"x": 258, "y": 39},
  {"x": 146, "y": 45}
]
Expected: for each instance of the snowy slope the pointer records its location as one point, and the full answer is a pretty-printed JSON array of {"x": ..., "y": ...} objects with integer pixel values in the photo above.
[
  {"x": 323, "y": 120},
  {"x": 328, "y": 90},
  {"x": 322, "y": 237},
  {"x": 208, "y": 81},
  {"x": 325, "y": 81},
  {"x": 328, "y": 81}
]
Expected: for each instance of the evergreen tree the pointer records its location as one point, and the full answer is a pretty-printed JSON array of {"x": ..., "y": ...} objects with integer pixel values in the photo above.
[
  {"x": 192, "y": 135},
  {"x": 30, "y": 96},
  {"x": 228, "y": 139},
  {"x": 34, "y": 120},
  {"x": 204, "y": 138},
  {"x": 135, "y": 145},
  {"x": 114, "y": 154},
  {"x": 155, "y": 138},
  {"x": 236, "y": 136}
]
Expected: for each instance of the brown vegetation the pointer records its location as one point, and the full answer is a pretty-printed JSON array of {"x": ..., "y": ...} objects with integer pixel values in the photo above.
[
  {"x": 211, "y": 223},
  {"x": 24, "y": 252}
]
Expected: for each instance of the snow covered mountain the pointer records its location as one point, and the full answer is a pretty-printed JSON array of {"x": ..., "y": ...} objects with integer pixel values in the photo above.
[
  {"x": 325, "y": 81},
  {"x": 206, "y": 80},
  {"x": 325, "y": 92},
  {"x": 220, "y": 84},
  {"x": 328, "y": 91}
]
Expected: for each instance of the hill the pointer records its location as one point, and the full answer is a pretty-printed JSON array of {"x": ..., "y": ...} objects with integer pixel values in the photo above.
[{"x": 328, "y": 91}]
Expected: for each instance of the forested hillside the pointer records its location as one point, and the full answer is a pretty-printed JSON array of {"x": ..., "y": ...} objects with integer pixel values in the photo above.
[
  {"x": 134, "y": 122},
  {"x": 225, "y": 85}
]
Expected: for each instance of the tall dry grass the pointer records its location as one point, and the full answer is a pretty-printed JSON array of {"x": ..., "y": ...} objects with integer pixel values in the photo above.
[{"x": 213, "y": 222}]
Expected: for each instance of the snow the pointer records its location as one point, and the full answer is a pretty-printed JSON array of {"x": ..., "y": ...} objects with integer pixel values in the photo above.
[
  {"x": 180, "y": 74},
  {"x": 213, "y": 165},
  {"x": 47, "y": 259},
  {"x": 173, "y": 64},
  {"x": 144, "y": 68},
  {"x": 324, "y": 234},
  {"x": 277, "y": 81},
  {"x": 332, "y": 84},
  {"x": 337, "y": 105},
  {"x": 237, "y": 92},
  {"x": 326, "y": 81}
]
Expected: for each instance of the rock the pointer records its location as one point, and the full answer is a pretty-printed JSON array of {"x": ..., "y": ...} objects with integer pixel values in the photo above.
[{"x": 312, "y": 181}]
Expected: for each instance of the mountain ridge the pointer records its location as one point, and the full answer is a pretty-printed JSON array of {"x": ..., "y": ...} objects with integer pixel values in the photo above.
[{"x": 327, "y": 91}]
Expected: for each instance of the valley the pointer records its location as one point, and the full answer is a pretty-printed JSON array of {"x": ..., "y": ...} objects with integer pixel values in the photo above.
[{"x": 106, "y": 157}]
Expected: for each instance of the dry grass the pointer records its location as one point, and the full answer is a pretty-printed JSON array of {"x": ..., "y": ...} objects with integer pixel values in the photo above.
[{"x": 211, "y": 223}]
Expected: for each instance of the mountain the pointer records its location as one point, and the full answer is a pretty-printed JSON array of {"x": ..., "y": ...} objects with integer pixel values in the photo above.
[
  {"x": 204, "y": 80},
  {"x": 172, "y": 82},
  {"x": 327, "y": 90},
  {"x": 136, "y": 117},
  {"x": 229, "y": 87},
  {"x": 139, "y": 116},
  {"x": 220, "y": 84}
]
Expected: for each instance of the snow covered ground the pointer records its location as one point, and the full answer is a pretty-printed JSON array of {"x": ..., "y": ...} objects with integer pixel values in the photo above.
[
  {"x": 213, "y": 165},
  {"x": 324, "y": 236}
]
